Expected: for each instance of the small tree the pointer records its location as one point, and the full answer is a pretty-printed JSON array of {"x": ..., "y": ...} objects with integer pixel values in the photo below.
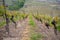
[{"x": 17, "y": 5}]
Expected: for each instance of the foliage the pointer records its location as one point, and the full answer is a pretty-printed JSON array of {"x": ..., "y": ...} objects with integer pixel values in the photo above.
[
  {"x": 1, "y": 10},
  {"x": 17, "y": 5},
  {"x": 20, "y": 16},
  {"x": 17, "y": 15},
  {"x": 44, "y": 18},
  {"x": 58, "y": 25},
  {"x": 2, "y": 23},
  {"x": 47, "y": 18}
]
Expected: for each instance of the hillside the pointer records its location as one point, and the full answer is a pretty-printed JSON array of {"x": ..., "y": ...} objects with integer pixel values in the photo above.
[{"x": 30, "y": 20}]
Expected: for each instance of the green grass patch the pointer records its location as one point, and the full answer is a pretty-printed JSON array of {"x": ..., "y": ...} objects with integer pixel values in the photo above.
[
  {"x": 2, "y": 23},
  {"x": 58, "y": 25},
  {"x": 58, "y": 28},
  {"x": 31, "y": 21},
  {"x": 35, "y": 36}
]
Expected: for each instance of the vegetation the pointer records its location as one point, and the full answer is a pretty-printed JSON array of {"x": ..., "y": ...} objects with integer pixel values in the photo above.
[
  {"x": 31, "y": 21},
  {"x": 2, "y": 23},
  {"x": 35, "y": 36},
  {"x": 17, "y": 5},
  {"x": 58, "y": 25},
  {"x": 48, "y": 19},
  {"x": 17, "y": 16}
]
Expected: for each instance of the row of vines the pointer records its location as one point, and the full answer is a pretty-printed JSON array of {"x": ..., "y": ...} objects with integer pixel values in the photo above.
[{"x": 48, "y": 20}]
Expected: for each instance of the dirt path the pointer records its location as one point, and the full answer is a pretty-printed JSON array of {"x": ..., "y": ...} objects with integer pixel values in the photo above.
[
  {"x": 25, "y": 34},
  {"x": 21, "y": 33}
]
